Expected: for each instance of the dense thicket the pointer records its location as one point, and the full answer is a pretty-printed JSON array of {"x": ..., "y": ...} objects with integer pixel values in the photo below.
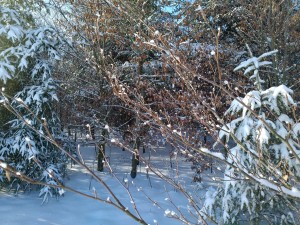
[{"x": 142, "y": 68}]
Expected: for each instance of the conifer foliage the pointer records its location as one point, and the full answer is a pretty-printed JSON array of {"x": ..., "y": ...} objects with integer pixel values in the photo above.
[
  {"x": 28, "y": 60},
  {"x": 266, "y": 136}
]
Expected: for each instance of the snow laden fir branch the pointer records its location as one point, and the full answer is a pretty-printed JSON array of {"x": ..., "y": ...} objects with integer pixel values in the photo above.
[
  {"x": 261, "y": 180},
  {"x": 26, "y": 60}
]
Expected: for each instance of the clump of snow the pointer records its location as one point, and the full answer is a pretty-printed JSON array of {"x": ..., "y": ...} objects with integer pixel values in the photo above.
[
  {"x": 281, "y": 93},
  {"x": 199, "y": 8},
  {"x": 3, "y": 165}
]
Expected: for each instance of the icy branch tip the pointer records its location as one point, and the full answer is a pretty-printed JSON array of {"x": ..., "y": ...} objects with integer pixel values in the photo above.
[{"x": 169, "y": 213}]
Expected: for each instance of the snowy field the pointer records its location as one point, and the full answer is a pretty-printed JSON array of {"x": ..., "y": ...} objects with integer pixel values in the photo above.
[{"x": 153, "y": 196}]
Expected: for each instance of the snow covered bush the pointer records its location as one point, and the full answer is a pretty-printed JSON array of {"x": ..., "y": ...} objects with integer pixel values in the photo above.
[
  {"x": 26, "y": 59},
  {"x": 263, "y": 167}
]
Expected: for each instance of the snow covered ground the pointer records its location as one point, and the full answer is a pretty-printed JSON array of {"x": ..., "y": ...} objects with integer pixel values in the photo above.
[{"x": 73, "y": 209}]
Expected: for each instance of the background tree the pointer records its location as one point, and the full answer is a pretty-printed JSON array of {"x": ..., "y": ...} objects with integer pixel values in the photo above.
[
  {"x": 105, "y": 37},
  {"x": 265, "y": 25}
]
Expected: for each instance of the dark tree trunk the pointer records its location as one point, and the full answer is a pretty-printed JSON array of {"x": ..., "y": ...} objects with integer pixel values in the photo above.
[
  {"x": 134, "y": 164},
  {"x": 135, "y": 158},
  {"x": 100, "y": 157},
  {"x": 93, "y": 132}
]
